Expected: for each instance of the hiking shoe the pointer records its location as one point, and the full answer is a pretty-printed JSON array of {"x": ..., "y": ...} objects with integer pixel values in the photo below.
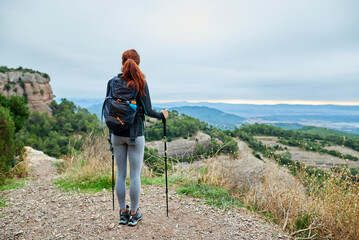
[
  {"x": 134, "y": 219},
  {"x": 125, "y": 216}
]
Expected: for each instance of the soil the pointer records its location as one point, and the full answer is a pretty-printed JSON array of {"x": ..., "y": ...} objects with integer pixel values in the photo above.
[{"x": 40, "y": 210}]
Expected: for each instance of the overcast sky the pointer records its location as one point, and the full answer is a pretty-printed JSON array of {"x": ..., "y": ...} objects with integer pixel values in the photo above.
[{"x": 284, "y": 50}]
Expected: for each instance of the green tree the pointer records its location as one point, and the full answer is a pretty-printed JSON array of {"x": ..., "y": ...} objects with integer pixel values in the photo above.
[
  {"x": 18, "y": 109},
  {"x": 7, "y": 141},
  {"x": 61, "y": 133},
  {"x": 13, "y": 116}
]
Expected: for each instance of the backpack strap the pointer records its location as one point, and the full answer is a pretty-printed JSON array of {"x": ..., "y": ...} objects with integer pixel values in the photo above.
[
  {"x": 134, "y": 128},
  {"x": 109, "y": 96},
  {"x": 142, "y": 112}
]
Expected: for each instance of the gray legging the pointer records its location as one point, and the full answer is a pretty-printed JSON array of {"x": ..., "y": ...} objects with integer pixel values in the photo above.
[{"x": 121, "y": 147}]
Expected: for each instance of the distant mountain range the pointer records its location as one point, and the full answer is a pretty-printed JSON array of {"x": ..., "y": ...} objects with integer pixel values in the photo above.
[
  {"x": 212, "y": 116},
  {"x": 86, "y": 102},
  {"x": 227, "y": 116},
  {"x": 342, "y": 118},
  {"x": 252, "y": 110}
]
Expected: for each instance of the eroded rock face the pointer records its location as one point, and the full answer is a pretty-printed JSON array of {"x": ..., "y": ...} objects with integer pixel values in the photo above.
[
  {"x": 34, "y": 86},
  {"x": 181, "y": 147}
]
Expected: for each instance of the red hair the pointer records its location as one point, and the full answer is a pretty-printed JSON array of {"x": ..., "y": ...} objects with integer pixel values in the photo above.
[{"x": 131, "y": 72}]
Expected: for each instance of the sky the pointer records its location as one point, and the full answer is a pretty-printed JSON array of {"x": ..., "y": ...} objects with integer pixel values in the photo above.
[{"x": 257, "y": 51}]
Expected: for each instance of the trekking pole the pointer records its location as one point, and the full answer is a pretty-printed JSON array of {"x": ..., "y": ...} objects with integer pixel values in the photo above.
[
  {"x": 165, "y": 140},
  {"x": 113, "y": 180},
  {"x": 113, "y": 173}
]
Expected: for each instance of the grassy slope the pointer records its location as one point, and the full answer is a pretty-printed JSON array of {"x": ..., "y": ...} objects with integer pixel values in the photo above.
[{"x": 326, "y": 132}]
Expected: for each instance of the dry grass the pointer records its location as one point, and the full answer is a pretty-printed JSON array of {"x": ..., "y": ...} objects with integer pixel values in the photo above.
[
  {"x": 336, "y": 205},
  {"x": 94, "y": 159},
  {"x": 218, "y": 172},
  {"x": 283, "y": 196},
  {"x": 21, "y": 169},
  {"x": 322, "y": 211}
]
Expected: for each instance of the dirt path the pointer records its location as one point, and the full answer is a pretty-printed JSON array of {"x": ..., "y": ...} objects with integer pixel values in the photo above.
[
  {"x": 40, "y": 164},
  {"x": 41, "y": 211}
]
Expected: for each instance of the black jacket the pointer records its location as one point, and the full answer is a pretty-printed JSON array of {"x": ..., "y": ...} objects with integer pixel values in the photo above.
[{"x": 145, "y": 108}]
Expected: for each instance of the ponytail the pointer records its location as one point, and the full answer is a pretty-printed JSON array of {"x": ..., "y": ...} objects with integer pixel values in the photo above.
[{"x": 132, "y": 74}]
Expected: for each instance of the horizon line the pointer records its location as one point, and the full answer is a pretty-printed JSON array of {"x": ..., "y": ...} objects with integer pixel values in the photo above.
[{"x": 266, "y": 102}]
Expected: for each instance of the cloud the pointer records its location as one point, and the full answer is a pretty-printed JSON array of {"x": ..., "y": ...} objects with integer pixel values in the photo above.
[{"x": 306, "y": 50}]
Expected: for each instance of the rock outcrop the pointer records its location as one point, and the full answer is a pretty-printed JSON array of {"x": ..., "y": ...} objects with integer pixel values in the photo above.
[
  {"x": 40, "y": 164},
  {"x": 35, "y": 87},
  {"x": 181, "y": 147}
]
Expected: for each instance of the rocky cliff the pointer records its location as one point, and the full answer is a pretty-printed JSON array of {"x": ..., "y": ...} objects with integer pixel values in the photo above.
[{"x": 34, "y": 86}]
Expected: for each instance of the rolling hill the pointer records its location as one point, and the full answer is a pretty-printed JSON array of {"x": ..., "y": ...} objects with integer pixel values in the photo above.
[
  {"x": 342, "y": 118},
  {"x": 212, "y": 116}
]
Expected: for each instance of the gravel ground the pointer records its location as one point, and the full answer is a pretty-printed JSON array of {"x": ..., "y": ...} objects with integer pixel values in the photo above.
[{"x": 40, "y": 210}]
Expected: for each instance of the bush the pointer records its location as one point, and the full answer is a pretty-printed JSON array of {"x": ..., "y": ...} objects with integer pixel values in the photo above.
[
  {"x": 200, "y": 150},
  {"x": 7, "y": 87},
  {"x": 18, "y": 109},
  {"x": 7, "y": 141},
  {"x": 25, "y": 96},
  {"x": 13, "y": 115},
  {"x": 4, "y": 69}
]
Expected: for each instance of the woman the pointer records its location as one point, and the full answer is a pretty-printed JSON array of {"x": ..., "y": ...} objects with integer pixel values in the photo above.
[{"x": 132, "y": 75}]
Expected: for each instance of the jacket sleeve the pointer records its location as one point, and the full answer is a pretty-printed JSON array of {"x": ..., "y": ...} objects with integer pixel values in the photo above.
[{"x": 147, "y": 105}]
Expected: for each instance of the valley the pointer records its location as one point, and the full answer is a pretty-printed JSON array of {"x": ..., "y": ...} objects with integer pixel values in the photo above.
[
  {"x": 313, "y": 159},
  {"x": 229, "y": 116}
]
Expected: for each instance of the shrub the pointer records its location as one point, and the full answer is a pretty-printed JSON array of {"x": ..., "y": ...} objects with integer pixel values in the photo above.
[
  {"x": 13, "y": 116},
  {"x": 19, "y": 111},
  {"x": 200, "y": 149},
  {"x": 25, "y": 96},
  {"x": 5, "y": 69},
  {"x": 7, "y": 87},
  {"x": 7, "y": 142}
]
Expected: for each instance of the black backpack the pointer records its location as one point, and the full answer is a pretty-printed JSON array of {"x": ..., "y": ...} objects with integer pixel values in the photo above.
[{"x": 120, "y": 107}]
